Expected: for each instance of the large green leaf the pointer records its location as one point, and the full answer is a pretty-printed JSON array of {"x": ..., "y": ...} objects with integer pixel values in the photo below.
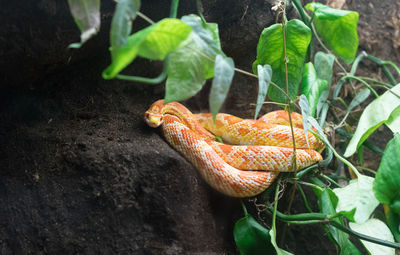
[
  {"x": 387, "y": 180},
  {"x": 359, "y": 195},
  {"x": 252, "y": 238},
  {"x": 86, "y": 14},
  {"x": 374, "y": 115},
  {"x": 154, "y": 42},
  {"x": 312, "y": 86},
  {"x": 338, "y": 28},
  {"x": 121, "y": 24},
  {"x": 270, "y": 51},
  {"x": 264, "y": 79},
  {"x": 223, "y": 75},
  {"x": 190, "y": 66},
  {"x": 377, "y": 229}
]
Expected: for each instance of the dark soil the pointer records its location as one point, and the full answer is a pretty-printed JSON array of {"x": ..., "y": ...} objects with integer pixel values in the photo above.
[{"x": 80, "y": 171}]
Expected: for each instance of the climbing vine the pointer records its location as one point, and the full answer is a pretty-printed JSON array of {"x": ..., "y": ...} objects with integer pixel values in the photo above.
[{"x": 293, "y": 76}]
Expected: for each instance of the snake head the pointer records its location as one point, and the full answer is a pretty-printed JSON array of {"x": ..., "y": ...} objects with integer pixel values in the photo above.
[{"x": 154, "y": 115}]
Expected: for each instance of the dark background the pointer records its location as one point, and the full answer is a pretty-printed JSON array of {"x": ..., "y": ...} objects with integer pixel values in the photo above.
[{"x": 81, "y": 173}]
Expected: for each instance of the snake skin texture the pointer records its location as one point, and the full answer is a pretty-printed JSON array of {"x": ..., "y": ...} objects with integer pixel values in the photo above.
[{"x": 235, "y": 170}]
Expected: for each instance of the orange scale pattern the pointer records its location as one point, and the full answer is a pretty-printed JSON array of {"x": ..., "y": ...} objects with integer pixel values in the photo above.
[{"x": 235, "y": 170}]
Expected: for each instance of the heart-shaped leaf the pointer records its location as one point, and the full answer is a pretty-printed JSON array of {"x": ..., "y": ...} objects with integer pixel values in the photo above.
[
  {"x": 154, "y": 42},
  {"x": 377, "y": 229},
  {"x": 357, "y": 195},
  {"x": 252, "y": 238},
  {"x": 338, "y": 28},
  {"x": 270, "y": 51}
]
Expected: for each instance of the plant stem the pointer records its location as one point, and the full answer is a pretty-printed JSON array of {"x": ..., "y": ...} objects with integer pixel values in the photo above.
[
  {"x": 244, "y": 208},
  {"x": 364, "y": 237},
  {"x": 313, "y": 218},
  {"x": 145, "y": 18},
  {"x": 336, "y": 154},
  {"x": 303, "y": 195},
  {"x": 362, "y": 81},
  {"x": 174, "y": 9},
  {"x": 155, "y": 80}
]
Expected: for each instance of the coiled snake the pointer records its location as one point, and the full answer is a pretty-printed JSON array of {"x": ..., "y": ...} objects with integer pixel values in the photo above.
[{"x": 259, "y": 151}]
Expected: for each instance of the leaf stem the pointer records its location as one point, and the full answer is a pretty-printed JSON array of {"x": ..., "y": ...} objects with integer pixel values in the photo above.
[
  {"x": 346, "y": 77},
  {"x": 145, "y": 18},
  {"x": 336, "y": 154},
  {"x": 155, "y": 80}
]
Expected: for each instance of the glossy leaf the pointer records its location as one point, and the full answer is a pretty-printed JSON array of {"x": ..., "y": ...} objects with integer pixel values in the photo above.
[
  {"x": 393, "y": 222},
  {"x": 86, "y": 14},
  {"x": 338, "y": 28},
  {"x": 323, "y": 63},
  {"x": 387, "y": 181},
  {"x": 312, "y": 86},
  {"x": 264, "y": 79},
  {"x": 374, "y": 115},
  {"x": 121, "y": 24},
  {"x": 270, "y": 51},
  {"x": 358, "y": 99},
  {"x": 327, "y": 202},
  {"x": 189, "y": 67},
  {"x": 223, "y": 75},
  {"x": 377, "y": 229},
  {"x": 154, "y": 42},
  {"x": 252, "y": 238},
  {"x": 357, "y": 195},
  {"x": 278, "y": 250},
  {"x": 394, "y": 121}
]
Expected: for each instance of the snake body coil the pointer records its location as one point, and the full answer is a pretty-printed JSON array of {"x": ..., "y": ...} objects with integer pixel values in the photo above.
[{"x": 235, "y": 170}]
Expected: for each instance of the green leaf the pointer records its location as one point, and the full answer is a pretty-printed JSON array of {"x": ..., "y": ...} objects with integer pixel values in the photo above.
[
  {"x": 393, "y": 221},
  {"x": 278, "y": 250},
  {"x": 154, "y": 42},
  {"x": 223, "y": 75},
  {"x": 305, "y": 112},
  {"x": 327, "y": 202},
  {"x": 394, "y": 121},
  {"x": 358, "y": 99},
  {"x": 86, "y": 14},
  {"x": 323, "y": 63},
  {"x": 338, "y": 28},
  {"x": 312, "y": 87},
  {"x": 387, "y": 181},
  {"x": 270, "y": 51},
  {"x": 357, "y": 195},
  {"x": 206, "y": 35},
  {"x": 121, "y": 24},
  {"x": 374, "y": 115},
  {"x": 264, "y": 79},
  {"x": 377, "y": 229},
  {"x": 189, "y": 67},
  {"x": 252, "y": 238}
]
